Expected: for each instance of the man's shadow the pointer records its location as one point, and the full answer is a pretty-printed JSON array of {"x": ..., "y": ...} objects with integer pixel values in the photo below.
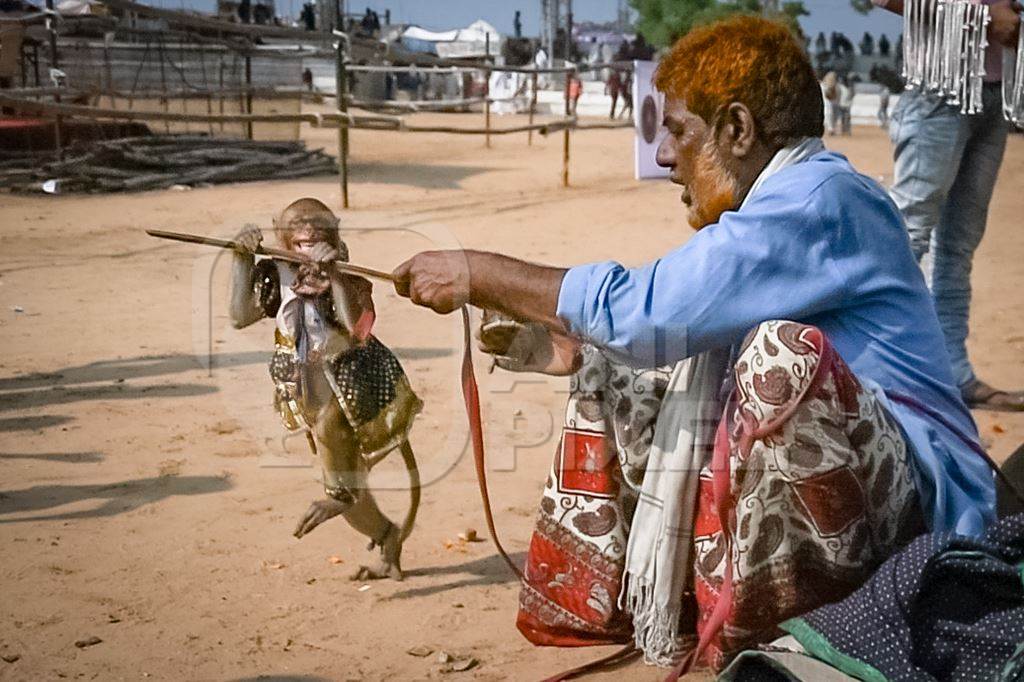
[
  {"x": 489, "y": 570},
  {"x": 119, "y": 497}
]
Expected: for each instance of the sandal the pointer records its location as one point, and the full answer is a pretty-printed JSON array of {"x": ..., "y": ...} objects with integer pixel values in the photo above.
[{"x": 977, "y": 394}]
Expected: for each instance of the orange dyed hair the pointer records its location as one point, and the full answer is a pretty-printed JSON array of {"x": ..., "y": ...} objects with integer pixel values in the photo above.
[{"x": 750, "y": 60}]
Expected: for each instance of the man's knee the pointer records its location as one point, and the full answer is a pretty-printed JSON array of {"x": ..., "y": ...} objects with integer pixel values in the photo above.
[
  {"x": 774, "y": 341},
  {"x": 777, "y": 360}
]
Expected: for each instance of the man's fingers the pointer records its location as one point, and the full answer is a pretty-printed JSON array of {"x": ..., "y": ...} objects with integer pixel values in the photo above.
[
  {"x": 509, "y": 364},
  {"x": 401, "y": 277}
]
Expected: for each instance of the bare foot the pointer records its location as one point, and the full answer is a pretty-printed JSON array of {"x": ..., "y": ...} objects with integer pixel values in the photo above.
[{"x": 388, "y": 565}]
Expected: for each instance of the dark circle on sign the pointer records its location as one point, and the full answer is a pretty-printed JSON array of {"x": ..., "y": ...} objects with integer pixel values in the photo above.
[{"x": 649, "y": 119}]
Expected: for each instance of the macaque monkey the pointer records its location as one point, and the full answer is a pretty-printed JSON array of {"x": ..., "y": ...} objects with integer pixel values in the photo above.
[{"x": 332, "y": 377}]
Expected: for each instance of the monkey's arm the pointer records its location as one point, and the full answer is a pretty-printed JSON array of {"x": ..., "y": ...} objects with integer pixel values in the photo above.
[
  {"x": 353, "y": 305},
  {"x": 244, "y": 307}
]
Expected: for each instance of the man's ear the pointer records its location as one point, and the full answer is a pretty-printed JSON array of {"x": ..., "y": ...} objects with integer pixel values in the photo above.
[{"x": 738, "y": 132}]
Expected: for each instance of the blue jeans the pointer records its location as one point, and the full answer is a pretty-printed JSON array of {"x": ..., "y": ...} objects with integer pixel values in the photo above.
[{"x": 945, "y": 168}]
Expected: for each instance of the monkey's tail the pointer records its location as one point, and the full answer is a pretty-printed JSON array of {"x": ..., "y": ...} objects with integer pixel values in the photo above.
[{"x": 414, "y": 489}]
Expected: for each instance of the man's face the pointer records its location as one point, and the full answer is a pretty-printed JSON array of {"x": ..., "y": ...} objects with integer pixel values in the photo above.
[{"x": 689, "y": 151}]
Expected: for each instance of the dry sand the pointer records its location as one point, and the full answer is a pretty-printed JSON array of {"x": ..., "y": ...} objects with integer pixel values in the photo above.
[{"x": 149, "y": 501}]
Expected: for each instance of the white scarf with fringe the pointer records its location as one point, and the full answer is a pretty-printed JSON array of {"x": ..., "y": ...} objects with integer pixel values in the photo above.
[{"x": 659, "y": 552}]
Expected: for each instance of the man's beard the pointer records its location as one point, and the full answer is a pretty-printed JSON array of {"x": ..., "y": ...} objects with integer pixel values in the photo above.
[{"x": 713, "y": 190}]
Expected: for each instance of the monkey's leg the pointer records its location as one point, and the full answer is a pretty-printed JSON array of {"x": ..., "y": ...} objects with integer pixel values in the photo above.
[{"x": 344, "y": 468}]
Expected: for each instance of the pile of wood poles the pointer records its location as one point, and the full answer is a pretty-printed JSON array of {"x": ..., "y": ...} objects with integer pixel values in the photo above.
[{"x": 159, "y": 162}]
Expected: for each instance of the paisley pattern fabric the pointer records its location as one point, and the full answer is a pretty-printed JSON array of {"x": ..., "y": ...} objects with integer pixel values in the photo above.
[
  {"x": 810, "y": 489},
  {"x": 574, "y": 567}
]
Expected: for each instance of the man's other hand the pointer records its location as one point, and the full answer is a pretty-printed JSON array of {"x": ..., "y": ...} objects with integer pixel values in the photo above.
[{"x": 438, "y": 280}]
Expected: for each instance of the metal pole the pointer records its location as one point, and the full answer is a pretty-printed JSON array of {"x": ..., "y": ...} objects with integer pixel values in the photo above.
[
  {"x": 58, "y": 127},
  {"x": 108, "y": 37},
  {"x": 552, "y": 19},
  {"x": 565, "y": 134},
  {"x": 163, "y": 85},
  {"x": 568, "y": 30},
  {"x": 341, "y": 88},
  {"x": 487, "y": 92},
  {"x": 248, "y": 94},
  {"x": 533, "y": 107},
  {"x": 220, "y": 88}
]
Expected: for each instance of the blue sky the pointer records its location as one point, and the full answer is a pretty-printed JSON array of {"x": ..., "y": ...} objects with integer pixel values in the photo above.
[{"x": 826, "y": 15}]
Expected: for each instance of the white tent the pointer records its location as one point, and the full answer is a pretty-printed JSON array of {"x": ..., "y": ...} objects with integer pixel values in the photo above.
[
  {"x": 471, "y": 41},
  {"x": 78, "y": 8}
]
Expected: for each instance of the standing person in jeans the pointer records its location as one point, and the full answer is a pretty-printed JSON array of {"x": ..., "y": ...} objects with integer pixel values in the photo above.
[
  {"x": 946, "y": 165},
  {"x": 846, "y": 93}
]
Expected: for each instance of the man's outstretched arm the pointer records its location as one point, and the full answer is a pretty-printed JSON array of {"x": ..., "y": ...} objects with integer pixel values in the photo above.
[{"x": 445, "y": 280}]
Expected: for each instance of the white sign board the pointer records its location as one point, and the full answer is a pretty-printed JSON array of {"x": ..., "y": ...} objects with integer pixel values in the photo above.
[{"x": 648, "y": 110}]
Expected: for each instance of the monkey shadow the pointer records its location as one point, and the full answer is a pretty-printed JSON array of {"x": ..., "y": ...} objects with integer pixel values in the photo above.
[
  {"x": 119, "y": 497},
  {"x": 66, "y": 457},
  {"x": 25, "y": 400},
  {"x": 489, "y": 570},
  {"x": 282, "y": 678},
  {"x": 124, "y": 369},
  {"x": 422, "y": 175},
  {"x": 107, "y": 381},
  {"x": 36, "y": 423}
]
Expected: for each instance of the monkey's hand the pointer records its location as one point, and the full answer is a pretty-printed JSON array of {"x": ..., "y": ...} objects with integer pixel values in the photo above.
[
  {"x": 318, "y": 512},
  {"x": 249, "y": 239},
  {"x": 314, "y": 278},
  {"x": 323, "y": 253}
]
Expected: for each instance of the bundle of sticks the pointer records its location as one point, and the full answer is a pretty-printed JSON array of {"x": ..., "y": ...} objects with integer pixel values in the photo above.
[{"x": 159, "y": 162}]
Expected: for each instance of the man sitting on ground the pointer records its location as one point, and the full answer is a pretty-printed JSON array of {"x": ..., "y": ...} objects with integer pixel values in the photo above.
[{"x": 844, "y": 434}]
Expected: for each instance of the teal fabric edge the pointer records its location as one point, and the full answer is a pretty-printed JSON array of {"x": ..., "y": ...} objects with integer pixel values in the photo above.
[{"x": 819, "y": 647}]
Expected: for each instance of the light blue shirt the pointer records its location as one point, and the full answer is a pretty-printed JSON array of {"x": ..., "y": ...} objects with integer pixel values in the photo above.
[{"x": 819, "y": 244}]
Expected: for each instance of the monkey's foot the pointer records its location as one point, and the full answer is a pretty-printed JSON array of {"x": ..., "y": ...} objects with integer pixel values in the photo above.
[{"x": 388, "y": 565}]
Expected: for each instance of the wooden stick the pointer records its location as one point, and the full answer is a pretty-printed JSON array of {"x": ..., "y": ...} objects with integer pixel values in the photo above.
[
  {"x": 533, "y": 108},
  {"x": 327, "y": 119},
  {"x": 248, "y": 95},
  {"x": 276, "y": 254},
  {"x": 487, "y": 94},
  {"x": 565, "y": 139},
  {"x": 341, "y": 88}
]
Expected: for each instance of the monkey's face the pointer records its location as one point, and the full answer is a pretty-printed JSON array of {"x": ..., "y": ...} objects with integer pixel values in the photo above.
[{"x": 302, "y": 230}]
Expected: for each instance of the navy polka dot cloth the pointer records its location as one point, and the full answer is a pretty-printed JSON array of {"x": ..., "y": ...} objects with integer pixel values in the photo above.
[
  {"x": 367, "y": 377},
  {"x": 946, "y": 607}
]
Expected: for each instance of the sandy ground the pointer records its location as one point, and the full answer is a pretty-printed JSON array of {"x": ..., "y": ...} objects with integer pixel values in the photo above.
[{"x": 148, "y": 499}]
